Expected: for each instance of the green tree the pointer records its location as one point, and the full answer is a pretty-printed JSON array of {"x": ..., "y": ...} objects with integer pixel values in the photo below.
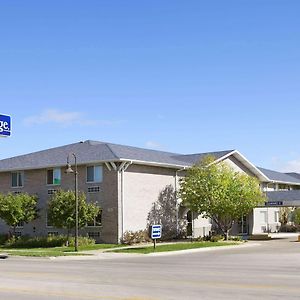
[
  {"x": 285, "y": 215},
  {"x": 296, "y": 216},
  {"x": 218, "y": 192},
  {"x": 16, "y": 208},
  {"x": 61, "y": 210}
]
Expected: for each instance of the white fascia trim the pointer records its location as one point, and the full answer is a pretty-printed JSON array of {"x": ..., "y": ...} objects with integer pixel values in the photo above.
[
  {"x": 57, "y": 166},
  {"x": 253, "y": 167},
  {"x": 156, "y": 164},
  {"x": 224, "y": 156},
  {"x": 285, "y": 182}
]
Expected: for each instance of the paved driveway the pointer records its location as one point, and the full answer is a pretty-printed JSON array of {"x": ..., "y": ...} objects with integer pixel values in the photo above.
[{"x": 270, "y": 270}]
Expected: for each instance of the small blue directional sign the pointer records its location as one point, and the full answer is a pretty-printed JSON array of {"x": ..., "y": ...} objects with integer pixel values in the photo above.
[
  {"x": 155, "y": 232},
  {"x": 274, "y": 203},
  {"x": 5, "y": 125}
]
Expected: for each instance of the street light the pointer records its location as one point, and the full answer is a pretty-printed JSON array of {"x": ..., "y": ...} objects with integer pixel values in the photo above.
[{"x": 69, "y": 170}]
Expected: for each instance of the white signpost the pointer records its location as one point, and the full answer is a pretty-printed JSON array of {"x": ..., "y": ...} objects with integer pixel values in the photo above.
[{"x": 155, "y": 233}]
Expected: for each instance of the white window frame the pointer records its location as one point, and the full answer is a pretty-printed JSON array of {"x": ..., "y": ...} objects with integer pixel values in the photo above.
[
  {"x": 53, "y": 169},
  {"x": 101, "y": 177},
  {"x": 11, "y": 181},
  {"x": 95, "y": 226},
  {"x": 276, "y": 216},
  {"x": 264, "y": 220}
]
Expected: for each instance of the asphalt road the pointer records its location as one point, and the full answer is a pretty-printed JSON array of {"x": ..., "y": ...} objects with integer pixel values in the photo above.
[{"x": 270, "y": 270}]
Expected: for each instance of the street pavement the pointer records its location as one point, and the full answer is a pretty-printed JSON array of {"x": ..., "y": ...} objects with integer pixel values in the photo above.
[{"x": 265, "y": 270}]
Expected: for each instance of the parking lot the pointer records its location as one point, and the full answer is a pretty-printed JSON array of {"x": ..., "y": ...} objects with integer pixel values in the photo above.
[{"x": 262, "y": 270}]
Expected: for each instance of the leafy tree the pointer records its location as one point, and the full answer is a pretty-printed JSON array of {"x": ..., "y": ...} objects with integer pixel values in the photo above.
[
  {"x": 164, "y": 212},
  {"x": 16, "y": 208},
  {"x": 218, "y": 192},
  {"x": 285, "y": 215},
  {"x": 296, "y": 216},
  {"x": 61, "y": 210}
]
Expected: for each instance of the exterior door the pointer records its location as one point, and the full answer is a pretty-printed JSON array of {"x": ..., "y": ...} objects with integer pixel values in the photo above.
[
  {"x": 243, "y": 225},
  {"x": 189, "y": 229}
]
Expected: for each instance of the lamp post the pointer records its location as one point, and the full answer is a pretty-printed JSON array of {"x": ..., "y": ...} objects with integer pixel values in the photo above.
[{"x": 69, "y": 170}]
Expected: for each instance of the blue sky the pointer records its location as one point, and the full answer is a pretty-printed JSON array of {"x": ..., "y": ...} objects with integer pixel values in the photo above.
[{"x": 180, "y": 76}]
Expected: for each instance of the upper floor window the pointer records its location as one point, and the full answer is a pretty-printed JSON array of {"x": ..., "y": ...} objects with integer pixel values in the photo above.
[
  {"x": 94, "y": 174},
  {"x": 17, "y": 179},
  {"x": 54, "y": 176}
]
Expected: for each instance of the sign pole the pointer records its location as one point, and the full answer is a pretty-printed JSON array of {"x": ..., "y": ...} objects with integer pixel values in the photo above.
[{"x": 155, "y": 232}]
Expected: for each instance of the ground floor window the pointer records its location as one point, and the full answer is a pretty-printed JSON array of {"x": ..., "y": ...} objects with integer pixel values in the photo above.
[{"x": 97, "y": 221}]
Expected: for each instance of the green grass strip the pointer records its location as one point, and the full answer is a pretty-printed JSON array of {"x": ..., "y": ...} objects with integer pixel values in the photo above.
[
  {"x": 174, "y": 247},
  {"x": 55, "y": 251}
]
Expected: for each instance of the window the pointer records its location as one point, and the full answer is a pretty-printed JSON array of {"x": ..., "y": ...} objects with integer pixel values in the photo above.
[
  {"x": 276, "y": 217},
  {"x": 20, "y": 224},
  {"x": 54, "y": 176},
  {"x": 94, "y": 234},
  {"x": 97, "y": 221},
  {"x": 94, "y": 174},
  {"x": 52, "y": 233},
  {"x": 263, "y": 217},
  {"x": 17, "y": 179},
  {"x": 94, "y": 189},
  {"x": 51, "y": 191},
  {"x": 48, "y": 223}
]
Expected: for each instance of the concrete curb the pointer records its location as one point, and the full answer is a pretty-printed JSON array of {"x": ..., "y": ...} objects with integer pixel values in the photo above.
[
  {"x": 112, "y": 255},
  {"x": 207, "y": 249},
  {"x": 3, "y": 255}
]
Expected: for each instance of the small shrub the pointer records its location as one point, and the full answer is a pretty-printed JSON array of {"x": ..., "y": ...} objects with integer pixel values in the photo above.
[
  {"x": 3, "y": 238},
  {"x": 216, "y": 238},
  {"x": 36, "y": 242},
  {"x": 135, "y": 237},
  {"x": 46, "y": 242},
  {"x": 289, "y": 228},
  {"x": 82, "y": 241},
  {"x": 236, "y": 238}
]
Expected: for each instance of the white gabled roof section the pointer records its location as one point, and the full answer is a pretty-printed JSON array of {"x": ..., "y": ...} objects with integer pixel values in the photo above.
[{"x": 252, "y": 168}]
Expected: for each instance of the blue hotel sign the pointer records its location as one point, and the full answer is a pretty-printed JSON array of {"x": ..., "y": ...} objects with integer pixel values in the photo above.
[{"x": 5, "y": 125}]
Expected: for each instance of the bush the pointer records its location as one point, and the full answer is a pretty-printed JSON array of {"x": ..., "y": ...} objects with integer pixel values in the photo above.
[
  {"x": 3, "y": 238},
  {"x": 237, "y": 238},
  {"x": 289, "y": 228},
  {"x": 82, "y": 241},
  {"x": 36, "y": 242},
  {"x": 216, "y": 238},
  {"x": 46, "y": 242},
  {"x": 135, "y": 237}
]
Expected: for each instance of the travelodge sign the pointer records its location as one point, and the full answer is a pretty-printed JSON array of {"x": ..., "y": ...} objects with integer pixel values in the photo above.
[{"x": 5, "y": 125}]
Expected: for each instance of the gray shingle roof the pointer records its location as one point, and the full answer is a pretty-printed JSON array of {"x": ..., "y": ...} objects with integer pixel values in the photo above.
[
  {"x": 278, "y": 176},
  {"x": 194, "y": 158},
  {"x": 94, "y": 151},
  {"x": 293, "y": 174}
]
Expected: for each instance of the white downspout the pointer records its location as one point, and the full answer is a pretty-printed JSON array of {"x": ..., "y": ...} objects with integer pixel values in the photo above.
[
  {"x": 176, "y": 196},
  {"x": 121, "y": 170}
]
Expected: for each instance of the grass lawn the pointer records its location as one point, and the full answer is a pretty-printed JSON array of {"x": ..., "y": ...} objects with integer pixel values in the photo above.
[
  {"x": 54, "y": 251},
  {"x": 174, "y": 247}
]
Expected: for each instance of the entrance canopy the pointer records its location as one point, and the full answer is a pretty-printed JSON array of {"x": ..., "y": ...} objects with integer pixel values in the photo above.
[{"x": 283, "y": 198}]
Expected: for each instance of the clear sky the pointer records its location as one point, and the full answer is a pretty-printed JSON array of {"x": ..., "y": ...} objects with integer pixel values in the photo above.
[{"x": 181, "y": 76}]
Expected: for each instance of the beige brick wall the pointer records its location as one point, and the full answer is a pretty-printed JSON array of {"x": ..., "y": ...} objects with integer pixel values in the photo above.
[
  {"x": 35, "y": 183},
  {"x": 142, "y": 186}
]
